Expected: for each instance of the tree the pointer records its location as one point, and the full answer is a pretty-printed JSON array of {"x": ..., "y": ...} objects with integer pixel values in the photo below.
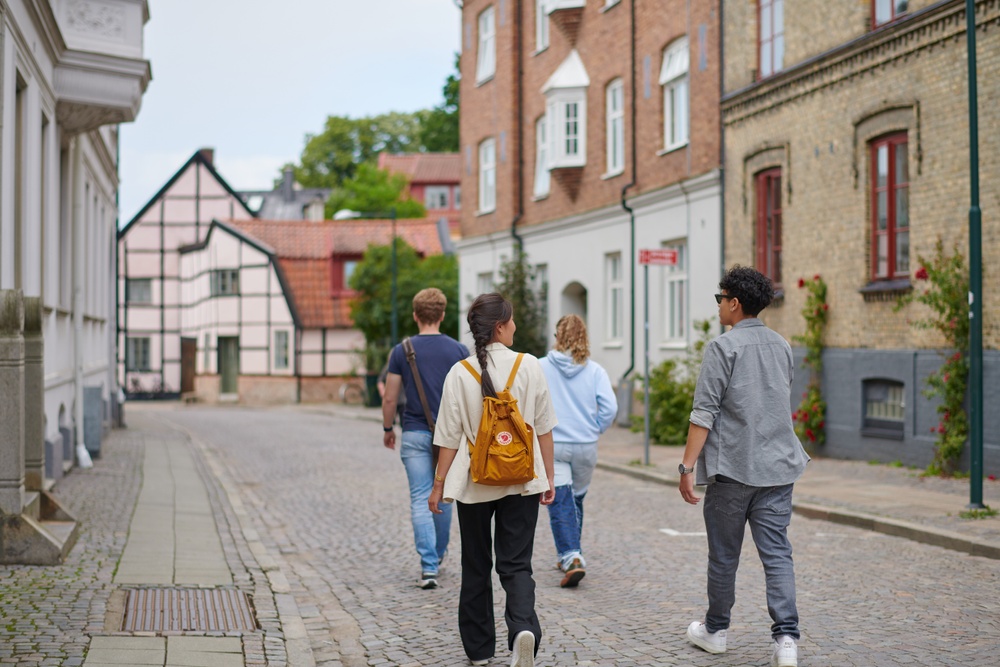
[
  {"x": 518, "y": 285},
  {"x": 439, "y": 126},
  {"x": 371, "y": 311},
  {"x": 373, "y": 189}
]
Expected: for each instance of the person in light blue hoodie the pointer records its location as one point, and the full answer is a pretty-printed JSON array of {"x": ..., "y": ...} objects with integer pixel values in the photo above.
[{"x": 586, "y": 406}]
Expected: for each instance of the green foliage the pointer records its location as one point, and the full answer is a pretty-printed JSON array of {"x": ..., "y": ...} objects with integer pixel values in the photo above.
[
  {"x": 810, "y": 417},
  {"x": 371, "y": 311},
  {"x": 517, "y": 285},
  {"x": 334, "y": 155},
  {"x": 439, "y": 126},
  {"x": 671, "y": 392},
  {"x": 373, "y": 189},
  {"x": 946, "y": 295},
  {"x": 983, "y": 513}
]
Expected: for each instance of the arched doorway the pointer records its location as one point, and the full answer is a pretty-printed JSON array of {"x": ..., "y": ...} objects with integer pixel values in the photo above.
[{"x": 574, "y": 301}]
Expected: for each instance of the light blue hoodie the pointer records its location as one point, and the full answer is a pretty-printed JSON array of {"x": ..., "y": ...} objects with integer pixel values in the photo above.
[{"x": 582, "y": 395}]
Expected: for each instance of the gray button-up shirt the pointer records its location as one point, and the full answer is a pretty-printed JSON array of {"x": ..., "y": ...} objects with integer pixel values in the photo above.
[{"x": 744, "y": 398}]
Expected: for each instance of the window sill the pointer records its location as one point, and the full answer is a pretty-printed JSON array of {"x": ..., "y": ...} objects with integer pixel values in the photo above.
[
  {"x": 610, "y": 5},
  {"x": 613, "y": 345},
  {"x": 485, "y": 80},
  {"x": 612, "y": 174},
  {"x": 884, "y": 433},
  {"x": 673, "y": 345},
  {"x": 537, "y": 51},
  {"x": 132, "y": 304},
  {"x": 885, "y": 290},
  {"x": 482, "y": 213},
  {"x": 540, "y": 197},
  {"x": 671, "y": 149}
]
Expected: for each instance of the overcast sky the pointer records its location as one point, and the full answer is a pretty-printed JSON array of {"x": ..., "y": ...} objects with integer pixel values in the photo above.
[{"x": 251, "y": 78}]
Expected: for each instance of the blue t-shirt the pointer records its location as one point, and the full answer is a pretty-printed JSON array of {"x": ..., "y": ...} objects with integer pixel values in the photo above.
[{"x": 436, "y": 354}]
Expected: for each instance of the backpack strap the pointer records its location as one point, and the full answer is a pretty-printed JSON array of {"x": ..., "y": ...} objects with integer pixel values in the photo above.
[
  {"x": 411, "y": 358},
  {"x": 472, "y": 370},
  {"x": 513, "y": 371}
]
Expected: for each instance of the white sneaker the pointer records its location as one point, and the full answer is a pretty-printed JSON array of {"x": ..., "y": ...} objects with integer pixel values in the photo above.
[
  {"x": 479, "y": 662},
  {"x": 524, "y": 650},
  {"x": 713, "y": 642},
  {"x": 786, "y": 652}
]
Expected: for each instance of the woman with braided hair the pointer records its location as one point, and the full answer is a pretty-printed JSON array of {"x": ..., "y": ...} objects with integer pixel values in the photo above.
[
  {"x": 513, "y": 509},
  {"x": 586, "y": 406}
]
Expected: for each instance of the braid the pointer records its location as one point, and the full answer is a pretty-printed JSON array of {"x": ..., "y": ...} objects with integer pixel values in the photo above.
[{"x": 485, "y": 313}]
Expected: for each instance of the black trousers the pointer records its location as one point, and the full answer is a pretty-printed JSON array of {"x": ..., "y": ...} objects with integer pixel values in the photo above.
[{"x": 515, "y": 518}]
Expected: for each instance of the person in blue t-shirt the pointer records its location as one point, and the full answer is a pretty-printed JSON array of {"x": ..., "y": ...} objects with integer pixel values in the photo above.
[
  {"x": 436, "y": 353},
  {"x": 586, "y": 406}
]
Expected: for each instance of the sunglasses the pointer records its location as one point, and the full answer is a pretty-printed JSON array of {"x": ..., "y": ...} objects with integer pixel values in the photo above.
[{"x": 720, "y": 297}]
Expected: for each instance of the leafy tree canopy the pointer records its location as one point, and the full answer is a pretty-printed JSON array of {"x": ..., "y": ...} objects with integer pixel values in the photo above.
[
  {"x": 373, "y": 189},
  {"x": 439, "y": 126}
]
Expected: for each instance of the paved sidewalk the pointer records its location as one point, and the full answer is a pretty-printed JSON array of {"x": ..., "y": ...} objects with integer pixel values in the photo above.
[{"x": 891, "y": 500}]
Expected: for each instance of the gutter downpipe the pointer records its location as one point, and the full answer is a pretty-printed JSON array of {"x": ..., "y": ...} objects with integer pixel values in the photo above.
[
  {"x": 83, "y": 458},
  {"x": 722, "y": 145},
  {"x": 624, "y": 203},
  {"x": 520, "y": 134}
]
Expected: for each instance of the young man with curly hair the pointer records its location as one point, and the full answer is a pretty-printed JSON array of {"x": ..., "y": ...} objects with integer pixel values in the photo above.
[{"x": 743, "y": 441}]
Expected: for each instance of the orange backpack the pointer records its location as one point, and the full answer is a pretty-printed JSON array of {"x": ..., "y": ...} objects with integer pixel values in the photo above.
[{"x": 504, "y": 451}]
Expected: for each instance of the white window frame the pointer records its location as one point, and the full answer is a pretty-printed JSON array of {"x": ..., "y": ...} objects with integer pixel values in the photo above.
[
  {"x": 436, "y": 197},
  {"x": 137, "y": 354},
  {"x": 541, "y": 25},
  {"x": 567, "y": 114},
  {"x": 614, "y": 306},
  {"x": 488, "y": 175},
  {"x": 484, "y": 283},
  {"x": 676, "y": 309},
  {"x": 225, "y": 282},
  {"x": 615, "y": 126},
  {"x": 675, "y": 81},
  {"x": 145, "y": 296},
  {"x": 486, "y": 55},
  {"x": 281, "y": 356},
  {"x": 543, "y": 179}
]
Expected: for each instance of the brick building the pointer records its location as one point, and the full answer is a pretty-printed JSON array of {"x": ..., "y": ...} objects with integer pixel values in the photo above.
[
  {"x": 846, "y": 144},
  {"x": 435, "y": 181},
  {"x": 590, "y": 130}
]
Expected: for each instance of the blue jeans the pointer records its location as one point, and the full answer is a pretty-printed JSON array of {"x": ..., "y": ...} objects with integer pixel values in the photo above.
[
  {"x": 430, "y": 531},
  {"x": 728, "y": 508},
  {"x": 574, "y": 468}
]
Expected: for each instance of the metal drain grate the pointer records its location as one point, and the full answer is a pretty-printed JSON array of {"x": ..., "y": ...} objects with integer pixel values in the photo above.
[{"x": 187, "y": 609}]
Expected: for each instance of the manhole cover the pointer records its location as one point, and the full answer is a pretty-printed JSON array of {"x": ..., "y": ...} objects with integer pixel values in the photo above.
[{"x": 187, "y": 609}]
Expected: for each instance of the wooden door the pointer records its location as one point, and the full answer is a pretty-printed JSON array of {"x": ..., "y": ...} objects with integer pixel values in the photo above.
[{"x": 189, "y": 354}]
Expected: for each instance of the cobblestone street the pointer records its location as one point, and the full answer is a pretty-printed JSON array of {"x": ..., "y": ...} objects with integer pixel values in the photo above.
[{"x": 331, "y": 505}]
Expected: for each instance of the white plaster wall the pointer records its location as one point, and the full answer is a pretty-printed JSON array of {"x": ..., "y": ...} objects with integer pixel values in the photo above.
[{"x": 574, "y": 251}]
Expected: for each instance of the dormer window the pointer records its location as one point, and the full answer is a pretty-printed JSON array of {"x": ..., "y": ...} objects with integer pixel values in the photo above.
[{"x": 566, "y": 111}]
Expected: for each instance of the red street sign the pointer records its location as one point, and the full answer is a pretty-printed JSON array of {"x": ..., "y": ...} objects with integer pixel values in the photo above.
[{"x": 662, "y": 256}]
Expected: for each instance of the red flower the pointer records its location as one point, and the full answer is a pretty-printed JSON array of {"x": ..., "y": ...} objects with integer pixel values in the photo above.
[
  {"x": 816, "y": 408},
  {"x": 802, "y": 283},
  {"x": 956, "y": 356},
  {"x": 821, "y": 424},
  {"x": 921, "y": 274},
  {"x": 826, "y": 306},
  {"x": 816, "y": 277},
  {"x": 992, "y": 478},
  {"x": 946, "y": 377}
]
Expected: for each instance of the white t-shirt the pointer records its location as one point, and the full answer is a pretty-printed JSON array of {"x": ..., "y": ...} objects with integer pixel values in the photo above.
[{"x": 462, "y": 407}]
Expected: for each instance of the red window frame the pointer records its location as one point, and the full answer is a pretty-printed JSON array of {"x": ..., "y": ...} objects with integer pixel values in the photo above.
[
  {"x": 768, "y": 237},
  {"x": 892, "y": 13},
  {"x": 892, "y": 186},
  {"x": 769, "y": 42},
  {"x": 338, "y": 286}
]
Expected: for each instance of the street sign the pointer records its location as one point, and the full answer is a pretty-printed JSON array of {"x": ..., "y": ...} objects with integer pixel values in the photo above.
[{"x": 660, "y": 256}]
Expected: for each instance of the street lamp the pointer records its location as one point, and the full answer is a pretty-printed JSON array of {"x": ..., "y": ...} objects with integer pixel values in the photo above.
[{"x": 347, "y": 214}]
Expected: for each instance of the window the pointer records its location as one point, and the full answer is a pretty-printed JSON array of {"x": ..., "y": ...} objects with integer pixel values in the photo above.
[
  {"x": 487, "y": 176},
  {"x": 484, "y": 283},
  {"x": 137, "y": 355},
  {"x": 885, "y": 408},
  {"x": 884, "y": 11},
  {"x": 771, "y": 37},
  {"x": 890, "y": 208},
  {"x": 615, "y": 110},
  {"x": 458, "y": 197},
  {"x": 566, "y": 111},
  {"x": 225, "y": 282},
  {"x": 436, "y": 197},
  {"x": 541, "y": 26},
  {"x": 486, "y": 57},
  {"x": 139, "y": 290},
  {"x": 349, "y": 266},
  {"x": 542, "y": 176},
  {"x": 615, "y": 306},
  {"x": 207, "y": 353},
  {"x": 768, "y": 236},
  {"x": 674, "y": 79},
  {"x": 281, "y": 350},
  {"x": 675, "y": 292}
]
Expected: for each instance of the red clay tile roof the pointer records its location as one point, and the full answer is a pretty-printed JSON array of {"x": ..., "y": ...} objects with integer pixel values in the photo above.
[
  {"x": 304, "y": 249},
  {"x": 424, "y": 167}
]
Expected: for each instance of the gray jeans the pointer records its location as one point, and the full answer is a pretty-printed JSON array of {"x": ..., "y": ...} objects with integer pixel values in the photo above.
[{"x": 728, "y": 508}]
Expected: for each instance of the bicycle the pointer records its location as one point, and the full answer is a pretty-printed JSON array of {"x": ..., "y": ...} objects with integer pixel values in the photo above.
[{"x": 352, "y": 392}]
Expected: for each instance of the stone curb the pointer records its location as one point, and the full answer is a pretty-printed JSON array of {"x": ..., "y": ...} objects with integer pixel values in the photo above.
[{"x": 895, "y": 527}]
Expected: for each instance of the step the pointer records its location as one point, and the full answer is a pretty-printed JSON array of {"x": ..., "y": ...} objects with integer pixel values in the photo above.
[{"x": 32, "y": 504}]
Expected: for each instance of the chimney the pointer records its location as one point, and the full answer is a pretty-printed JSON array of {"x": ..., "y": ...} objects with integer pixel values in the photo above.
[
  {"x": 288, "y": 184},
  {"x": 208, "y": 154}
]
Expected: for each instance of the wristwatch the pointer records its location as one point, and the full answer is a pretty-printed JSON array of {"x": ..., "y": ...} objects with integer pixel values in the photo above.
[
  {"x": 387, "y": 429},
  {"x": 684, "y": 470}
]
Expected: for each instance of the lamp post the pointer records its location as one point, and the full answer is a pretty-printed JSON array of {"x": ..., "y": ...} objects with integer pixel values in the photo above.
[
  {"x": 975, "y": 276},
  {"x": 347, "y": 214}
]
